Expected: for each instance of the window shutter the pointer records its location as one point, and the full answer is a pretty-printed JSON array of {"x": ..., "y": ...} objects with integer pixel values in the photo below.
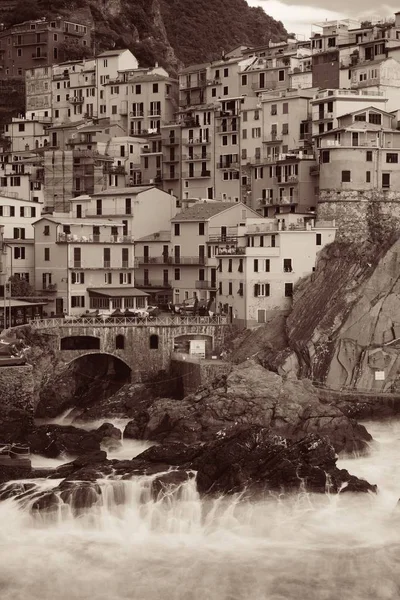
[
  {"x": 82, "y": 277},
  {"x": 73, "y": 278},
  {"x": 256, "y": 289},
  {"x": 121, "y": 278}
]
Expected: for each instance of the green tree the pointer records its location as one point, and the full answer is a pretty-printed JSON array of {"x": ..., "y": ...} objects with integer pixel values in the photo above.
[{"x": 20, "y": 288}]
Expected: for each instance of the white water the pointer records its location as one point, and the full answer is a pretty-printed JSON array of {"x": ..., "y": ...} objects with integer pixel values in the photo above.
[{"x": 130, "y": 547}]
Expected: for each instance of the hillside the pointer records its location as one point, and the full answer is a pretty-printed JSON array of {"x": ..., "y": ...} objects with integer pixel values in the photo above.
[{"x": 172, "y": 32}]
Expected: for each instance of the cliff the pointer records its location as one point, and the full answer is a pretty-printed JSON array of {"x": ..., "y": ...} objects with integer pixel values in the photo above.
[
  {"x": 344, "y": 328},
  {"x": 172, "y": 32}
]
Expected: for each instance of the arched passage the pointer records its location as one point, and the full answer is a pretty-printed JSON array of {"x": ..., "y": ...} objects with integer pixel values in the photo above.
[
  {"x": 86, "y": 382},
  {"x": 80, "y": 342}
]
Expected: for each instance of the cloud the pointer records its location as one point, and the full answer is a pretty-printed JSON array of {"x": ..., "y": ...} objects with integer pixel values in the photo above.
[{"x": 298, "y": 17}]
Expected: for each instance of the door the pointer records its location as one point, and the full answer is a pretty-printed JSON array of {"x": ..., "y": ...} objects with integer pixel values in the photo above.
[
  {"x": 146, "y": 253},
  {"x": 262, "y": 81},
  {"x": 79, "y": 211},
  {"x": 177, "y": 254},
  {"x": 165, "y": 254},
  {"x": 213, "y": 278},
  {"x": 354, "y": 137},
  {"x": 202, "y": 255},
  {"x": 59, "y": 306},
  {"x": 223, "y": 234}
]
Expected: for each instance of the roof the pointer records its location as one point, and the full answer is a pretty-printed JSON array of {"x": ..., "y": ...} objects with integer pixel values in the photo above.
[
  {"x": 202, "y": 211},
  {"x": 15, "y": 303},
  {"x": 112, "y": 52},
  {"x": 130, "y": 191},
  {"x": 159, "y": 236},
  {"x": 121, "y": 292},
  {"x": 73, "y": 221}
]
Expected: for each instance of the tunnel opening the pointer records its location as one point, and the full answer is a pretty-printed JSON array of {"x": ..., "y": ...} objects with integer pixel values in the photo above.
[{"x": 86, "y": 381}]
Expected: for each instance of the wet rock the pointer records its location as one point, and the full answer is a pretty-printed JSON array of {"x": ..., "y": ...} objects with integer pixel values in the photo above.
[{"x": 168, "y": 483}]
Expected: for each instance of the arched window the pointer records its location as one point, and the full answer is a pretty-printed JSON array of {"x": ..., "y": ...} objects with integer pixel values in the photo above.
[
  {"x": 120, "y": 342},
  {"x": 154, "y": 342}
]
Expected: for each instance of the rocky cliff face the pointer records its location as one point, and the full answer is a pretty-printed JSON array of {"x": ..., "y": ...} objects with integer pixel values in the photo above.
[
  {"x": 172, "y": 32},
  {"x": 344, "y": 328}
]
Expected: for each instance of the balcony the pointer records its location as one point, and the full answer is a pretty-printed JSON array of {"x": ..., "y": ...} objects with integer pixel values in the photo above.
[
  {"x": 314, "y": 170},
  {"x": 205, "y": 285},
  {"x": 231, "y": 249},
  {"x": 137, "y": 114},
  {"x": 49, "y": 287},
  {"x": 171, "y": 177},
  {"x": 76, "y": 99},
  {"x": 272, "y": 138},
  {"x": 228, "y": 129},
  {"x": 154, "y": 283},
  {"x": 195, "y": 141},
  {"x": 69, "y": 238},
  {"x": 171, "y": 159},
  {"x": 115, "y": 169},
  {"x": 228, "y": 165},
  {"x": 197, "y": 156},
  {"x": 203, "y": 174},
  {"x": 39, "y": 56},
  {"x": 171, "y": 260},
  {"x": 289, "y": 180},
  {"x": 170, "y": 141}
]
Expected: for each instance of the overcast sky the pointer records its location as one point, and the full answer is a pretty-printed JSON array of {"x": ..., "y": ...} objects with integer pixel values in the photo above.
[{"x": 297, "y": 16}]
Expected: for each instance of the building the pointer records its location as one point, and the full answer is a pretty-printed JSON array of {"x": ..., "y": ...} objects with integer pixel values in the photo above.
[
  {"x": 196, "y": 233},
  {"x": 41, "y": 42},
  {"x": 88, "y": 264},
  {"x": 17, "y": 217},
  {"x": 261, "y": 262},
  {"x": 361, "y": 154},
  {"x": 154, "y": 271}
]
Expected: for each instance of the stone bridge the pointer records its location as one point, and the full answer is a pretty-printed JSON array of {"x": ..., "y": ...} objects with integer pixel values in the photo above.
[{"x": 144, "y": 345}]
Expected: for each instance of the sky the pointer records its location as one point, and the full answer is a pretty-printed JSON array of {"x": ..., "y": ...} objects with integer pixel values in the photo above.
[{"x": 298, "y": 15}]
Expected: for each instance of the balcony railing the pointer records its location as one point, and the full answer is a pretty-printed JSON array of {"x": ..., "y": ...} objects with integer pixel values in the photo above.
[
  {"x": 205, "y": 285},
  {"x": 115, "y": 169},
  {"x": 206, "y": 156},
  {"x": 314, "y": 170},
  {"x": 76, "y": 99},
  {"x": 39, "y": 56},
  {"x": 230, "y": 249},
  {"x": 194, "y": 141},
  {"x": 228, "y": 165},
  {"x": 109, "y": 321},
  {"x": 171, "y": 260},
  {"x": 272, "y": 137},
  {"x": 69, "y": 238},
  {"x": 153, "y": 283},
  {"x": 136, "y": 114},
  {"x": 186, "y": 175}
]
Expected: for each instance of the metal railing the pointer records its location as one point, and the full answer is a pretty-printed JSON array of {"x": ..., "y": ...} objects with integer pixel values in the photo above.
[
  {"x": 94, "y": 239},
  {"x": 109, "y": 321},
  {"x": 205, "y": 285},
  {"x": 171, "y": 260}
]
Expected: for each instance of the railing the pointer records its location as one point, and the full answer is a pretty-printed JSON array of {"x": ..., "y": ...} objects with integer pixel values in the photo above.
[
  {"x": 171, "y": 260},
  {"x": 115, "y": 169},
  {"x": 154, "y": 283},
  {"x": 76, "y": 99},
  {"x": 206, "y": 156},
  {"x": 186, "y": 175},
  {"x": 228, "y": 165},
  {"x": 94, "y": 239},
  {"x": 136, "y": 114},
  {"x": 109, "y": 321},
  {"x": 193, "y": 141},
  {"x": 232, "y": 250},
  {"x": 205, "y": 285}
]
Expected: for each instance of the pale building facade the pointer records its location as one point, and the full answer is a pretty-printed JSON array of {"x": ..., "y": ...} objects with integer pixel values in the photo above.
[
  {"x": 87, "y": 265},
  {"x": 261, "y": 263}
]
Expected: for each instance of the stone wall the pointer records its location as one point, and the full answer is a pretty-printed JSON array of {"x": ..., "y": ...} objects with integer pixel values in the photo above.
[
  {"x": 193, "y": 373},
  {"x": 360, "y": 216},
  {"x": 16, "y": 401}
]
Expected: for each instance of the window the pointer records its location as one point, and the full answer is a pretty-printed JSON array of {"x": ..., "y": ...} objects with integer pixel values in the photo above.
[
  {"x": 214, "y": 92},
  {"x": 77, "y": 277},
  {"x": 19, "y": 252},
  {"x": 220, "y": 288},
  {"x": 78, "y": 301},
  {"x": 120, "y": 342},
  {"x": 201, "y": 228},
  {"x": 177, "y": 229},
  {"x": 368, "y": 176},
  {"x": 177, "y": 274},
  {"x": 230, "y": 266},
  {"x": 274, "y": 109},
  {"x": 226, "y": 72},
  {"x": 21, "y": 127},
  {"x": 281, "y": 75},
  {"x": 256, "y": 265},
  {"x": 318, "y": 239},
  {"x": 77, "y": 257},
  {"x": 256, "y": 132},
  {"x": 226, "y": 90},
  {"x": 285, "y": 108},
  {"x": 224, "y": 140},
  {"x": 114, "y": 109},
  {"x": 138, "y": 89},
  {"x": 46, "y": 230},
  {"x": 125, "y": 278},
  {"x": 155, "y": 88},
  {"x": 288, "y": 290},
  {"x": 287, "y": 265},
  {"x": 19, "y": 233},
  {"x": 267, "y": 265},
  {"x": 106, "y": 257},
  {"x": 386, "y": 180},
  {"x": 375, "y": 118},
  {"x": 108, "y": 278},
  {"x": 261, "y": 289},
  {"x": 230, "y": 291},
  {"x": 244, "y": 79},
  {"x": 285, "y": 128},
  {"x": 47, "y": 254},
  {"x": 346, "y": 176},
  {"x": 392, "y": 157},
  {"x": 325, "y": 156},
  {"x": 153, "y": 342},
  {"x": 369, "y": 156},
  {"x": 244, "y": 134}
]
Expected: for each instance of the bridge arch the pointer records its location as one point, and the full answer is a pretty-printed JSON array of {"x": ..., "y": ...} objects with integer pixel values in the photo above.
[{"x": 75, "y": 358}]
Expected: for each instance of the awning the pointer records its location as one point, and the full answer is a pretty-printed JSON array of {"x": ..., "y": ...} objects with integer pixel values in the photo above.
[
  {"x": 15, "y": 303},
  {"x": 128, "y": 292}
]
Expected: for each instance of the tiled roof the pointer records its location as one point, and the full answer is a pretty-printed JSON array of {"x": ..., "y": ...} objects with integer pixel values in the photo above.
[
  {"x": 74, "y": 221},
  {"x": 126, "y": 191},
  {"x": 202, "y": 211},
  {"x": 111, "y": 53}
]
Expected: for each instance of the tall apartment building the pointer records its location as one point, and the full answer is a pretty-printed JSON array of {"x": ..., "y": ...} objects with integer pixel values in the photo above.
[
  {"x": 195, "y": 234},
  {"x": 41, "y": 42},
  {"x": 86, "y": 264}
]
